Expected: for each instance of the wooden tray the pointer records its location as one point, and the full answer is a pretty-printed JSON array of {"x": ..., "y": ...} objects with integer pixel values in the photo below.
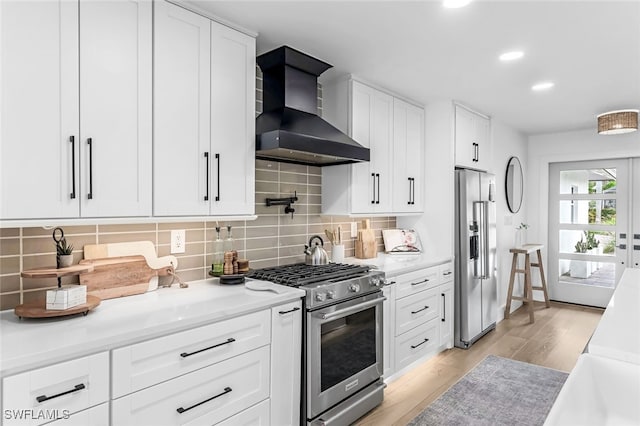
[
  {"x": 38, "y": 309},
  {"x": 229, "y": 279}
]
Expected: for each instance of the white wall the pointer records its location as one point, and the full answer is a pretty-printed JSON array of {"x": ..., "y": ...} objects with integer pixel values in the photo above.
[
  {"x": 576, "y": 145},
  {"x": 508, "y": 143}
]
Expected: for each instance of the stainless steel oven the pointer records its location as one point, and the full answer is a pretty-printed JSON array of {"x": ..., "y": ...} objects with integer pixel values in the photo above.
[
  {"x": 344, "y": 356},
  {"x": 342, "y": 341}
]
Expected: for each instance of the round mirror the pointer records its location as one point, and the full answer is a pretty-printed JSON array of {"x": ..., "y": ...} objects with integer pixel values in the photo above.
[{"x": 513, "y": 184}]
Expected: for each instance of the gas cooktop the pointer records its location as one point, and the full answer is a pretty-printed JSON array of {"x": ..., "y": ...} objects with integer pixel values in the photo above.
[{"x": 300, "y": 274}]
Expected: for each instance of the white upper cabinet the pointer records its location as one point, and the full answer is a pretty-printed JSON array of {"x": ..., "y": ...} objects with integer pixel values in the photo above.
[
  {"x": 372, "y": 127},
  {"x": 233, "y": 121},
  {"x": 393, "y": 130},
  {"x": 472, "y": 139},
  {"x": 182, "y": 61},
  {"x": 408, "y": 157},
  {"x": 57, "y": 96},
  {"x": 115, "y": 108},
  {"x": 204, "y": 122}
]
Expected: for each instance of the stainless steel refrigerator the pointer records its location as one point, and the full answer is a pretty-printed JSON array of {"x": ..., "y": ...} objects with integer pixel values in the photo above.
[{"x": 475, "y": 279}]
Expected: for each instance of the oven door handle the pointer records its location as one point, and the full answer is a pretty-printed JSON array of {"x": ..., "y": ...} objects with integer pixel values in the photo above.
[{"x": 350, "y": 310}]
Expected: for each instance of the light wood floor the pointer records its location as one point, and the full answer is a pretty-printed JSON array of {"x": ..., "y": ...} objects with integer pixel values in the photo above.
[{"x": 555, "y": 340}]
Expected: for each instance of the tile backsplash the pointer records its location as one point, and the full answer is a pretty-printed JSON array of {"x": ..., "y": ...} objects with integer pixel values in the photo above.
[{"x": 274, "y": 238}]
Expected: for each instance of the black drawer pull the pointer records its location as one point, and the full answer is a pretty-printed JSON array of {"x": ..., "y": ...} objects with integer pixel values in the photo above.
[
  {"x": 182, "y": 410},
  {"x": 419, "y": 344},
  {"x": 76, "y": 388},
  {"x": 421, "y": 282},
  {"x": 229, "y": 340},
  {"x": 289, "y": 311},
  {"x": 420, "y": 310},
  {"x": 447, "y": 273}
]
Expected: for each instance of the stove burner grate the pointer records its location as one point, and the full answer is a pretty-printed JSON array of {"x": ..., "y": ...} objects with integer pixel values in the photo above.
[{"x": 299, "y": 274}]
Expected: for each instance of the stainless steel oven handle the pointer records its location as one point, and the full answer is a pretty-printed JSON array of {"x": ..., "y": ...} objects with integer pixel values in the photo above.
[{"x": 351, "y": 309}]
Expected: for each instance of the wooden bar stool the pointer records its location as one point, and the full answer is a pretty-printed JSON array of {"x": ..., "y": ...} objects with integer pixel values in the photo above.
[{"x": 527, "y": 297}]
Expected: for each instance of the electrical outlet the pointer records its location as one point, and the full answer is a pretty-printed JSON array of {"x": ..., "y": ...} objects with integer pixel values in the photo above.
[
  {"x": 354, "y": 229},
  {"x": 178, "y": 241}
]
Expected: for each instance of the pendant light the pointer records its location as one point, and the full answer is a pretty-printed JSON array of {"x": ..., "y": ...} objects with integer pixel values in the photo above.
[{"x": 617, "y": 122}]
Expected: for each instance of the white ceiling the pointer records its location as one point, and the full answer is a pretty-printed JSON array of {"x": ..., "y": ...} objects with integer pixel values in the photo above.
[{"x": 589, "y": 49}]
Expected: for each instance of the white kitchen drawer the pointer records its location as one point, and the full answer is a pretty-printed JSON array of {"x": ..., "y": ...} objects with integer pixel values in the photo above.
[
  {"x": 416, "y": 343},
  {"x": 414, "y": 282},
  {"x": 446, "y": 272},
  {"x": 258, "y": 415},
  {"x": 95, "y": 416},
  {"x": 417, "y": 309},
  {"x": 205, "y": 397},
  {"x": 66, "y": 387},
  {"x": 145, "y": 364}
]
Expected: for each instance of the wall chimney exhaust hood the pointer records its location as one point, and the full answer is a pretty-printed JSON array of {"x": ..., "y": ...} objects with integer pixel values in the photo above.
[{"x": 289, "y": 130}]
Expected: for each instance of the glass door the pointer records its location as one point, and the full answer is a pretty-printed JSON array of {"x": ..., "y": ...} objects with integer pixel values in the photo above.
[{"x": 589, "y": 222}]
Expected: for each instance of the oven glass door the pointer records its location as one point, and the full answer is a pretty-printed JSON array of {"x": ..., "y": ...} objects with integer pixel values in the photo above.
[{"x": 344, "y": 351}]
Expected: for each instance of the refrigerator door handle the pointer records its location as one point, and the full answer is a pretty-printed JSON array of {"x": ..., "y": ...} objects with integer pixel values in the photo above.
[{"x": 481, "y": 213}]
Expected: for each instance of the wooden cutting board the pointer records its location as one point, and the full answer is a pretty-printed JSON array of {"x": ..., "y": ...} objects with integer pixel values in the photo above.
[
  {"x": 365, "y": 246},
  {"x": 132, "y": 248},
  {"x": 119, "y": 276}
]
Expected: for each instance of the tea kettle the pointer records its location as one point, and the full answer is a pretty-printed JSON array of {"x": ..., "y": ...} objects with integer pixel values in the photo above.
[{"x": 315, "y": 254}]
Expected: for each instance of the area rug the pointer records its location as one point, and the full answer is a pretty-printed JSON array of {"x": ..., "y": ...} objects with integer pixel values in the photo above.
[{"x": 498, "y": 391}]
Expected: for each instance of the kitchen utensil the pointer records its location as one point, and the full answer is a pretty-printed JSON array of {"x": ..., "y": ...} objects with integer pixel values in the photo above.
[
  {"x": 257, "y": 285},
  {"x": 316, "y": 254},
  {"x": 337, "y": 253},
  {"x": 232, "y": 279},
  {"x": 120, "y": 276},
  {"x": 37, "y": 309},
  {"x": 365, "y": 246},
  {"x": 134, "y": 248}
]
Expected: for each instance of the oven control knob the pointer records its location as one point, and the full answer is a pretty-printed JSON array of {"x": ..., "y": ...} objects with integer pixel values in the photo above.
[
  {"x": 320, "y": 297},
  {"x": 331, "y": 294},
  {"x": 375, "y": 281},
  {"x": 355, "y": 287}
]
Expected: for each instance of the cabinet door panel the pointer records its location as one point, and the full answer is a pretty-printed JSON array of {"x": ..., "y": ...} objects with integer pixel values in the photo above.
[
  {"x": 446, "y": 315},
  {"x": 39, "y": 109},
  {"x": 381, "y": 151},
  {"x": 362, "y": 185},
  {"x": 408, "y": 157},
  {"x": 115, "y": 104},
  {"x": 232, "y": 121},
  {"x": 181, "y": 111}
]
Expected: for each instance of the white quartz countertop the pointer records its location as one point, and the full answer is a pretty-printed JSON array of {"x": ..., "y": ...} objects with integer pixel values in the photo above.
[
  {"x": 617, "y": 335},
  {"x": 397, "y": 264},
  {"x": 32, "y": 343}
]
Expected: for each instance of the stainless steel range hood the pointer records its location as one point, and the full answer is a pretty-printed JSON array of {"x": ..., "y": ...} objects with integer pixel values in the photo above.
[{"x": 289, "y": 130}]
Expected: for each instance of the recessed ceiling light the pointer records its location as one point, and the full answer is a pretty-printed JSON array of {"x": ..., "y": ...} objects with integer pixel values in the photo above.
[
  {"x": 455, "y": 4},
  {"x": 546, "y": 85},
  {"x": 511, "y": 56}
]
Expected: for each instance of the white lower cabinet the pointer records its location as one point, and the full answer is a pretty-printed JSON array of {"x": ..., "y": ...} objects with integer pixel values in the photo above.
[
  {"x": 258, "y": 415},
  {"x": 286, "y": 367},
  {"x": 419, "y": 317},
  {"x": 203, "y": 397},
  {"x": 94, "y": 416},
  {"x": 38, "y": 396},
  {"x": 244, "y": 370}
]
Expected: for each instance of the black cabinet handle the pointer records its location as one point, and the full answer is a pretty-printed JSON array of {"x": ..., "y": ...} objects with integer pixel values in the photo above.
[
  {"x": 420, "y": 310},
  {"x": 229, "y": 340},
  {"x": 421, "y": 282},
  {"x": 226, "y": 391},
  {"x": 289, "y": 311},
  {"x": 378, "y": 177},
  {"x": 218, "y": 160},
  {"x": 90, "y": 143},
  {"x": 447, "y": 273},
  {"x": 76, "y": 388},
  {"x": 419, "y": 344},
  {"x": 409, "y": 202},
  {"x": 444, "y": 308},
  {"x": 206, "y": 156},
  {"x": 72, "y": 139},
  {"x": 476, "y": 157},
  {"x": 373, "y": 196},
  {"x": 413, "y": 191}
]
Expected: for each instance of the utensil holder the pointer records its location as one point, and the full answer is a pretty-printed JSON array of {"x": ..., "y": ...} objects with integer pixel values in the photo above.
[{"x": 337, "y": 253}]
